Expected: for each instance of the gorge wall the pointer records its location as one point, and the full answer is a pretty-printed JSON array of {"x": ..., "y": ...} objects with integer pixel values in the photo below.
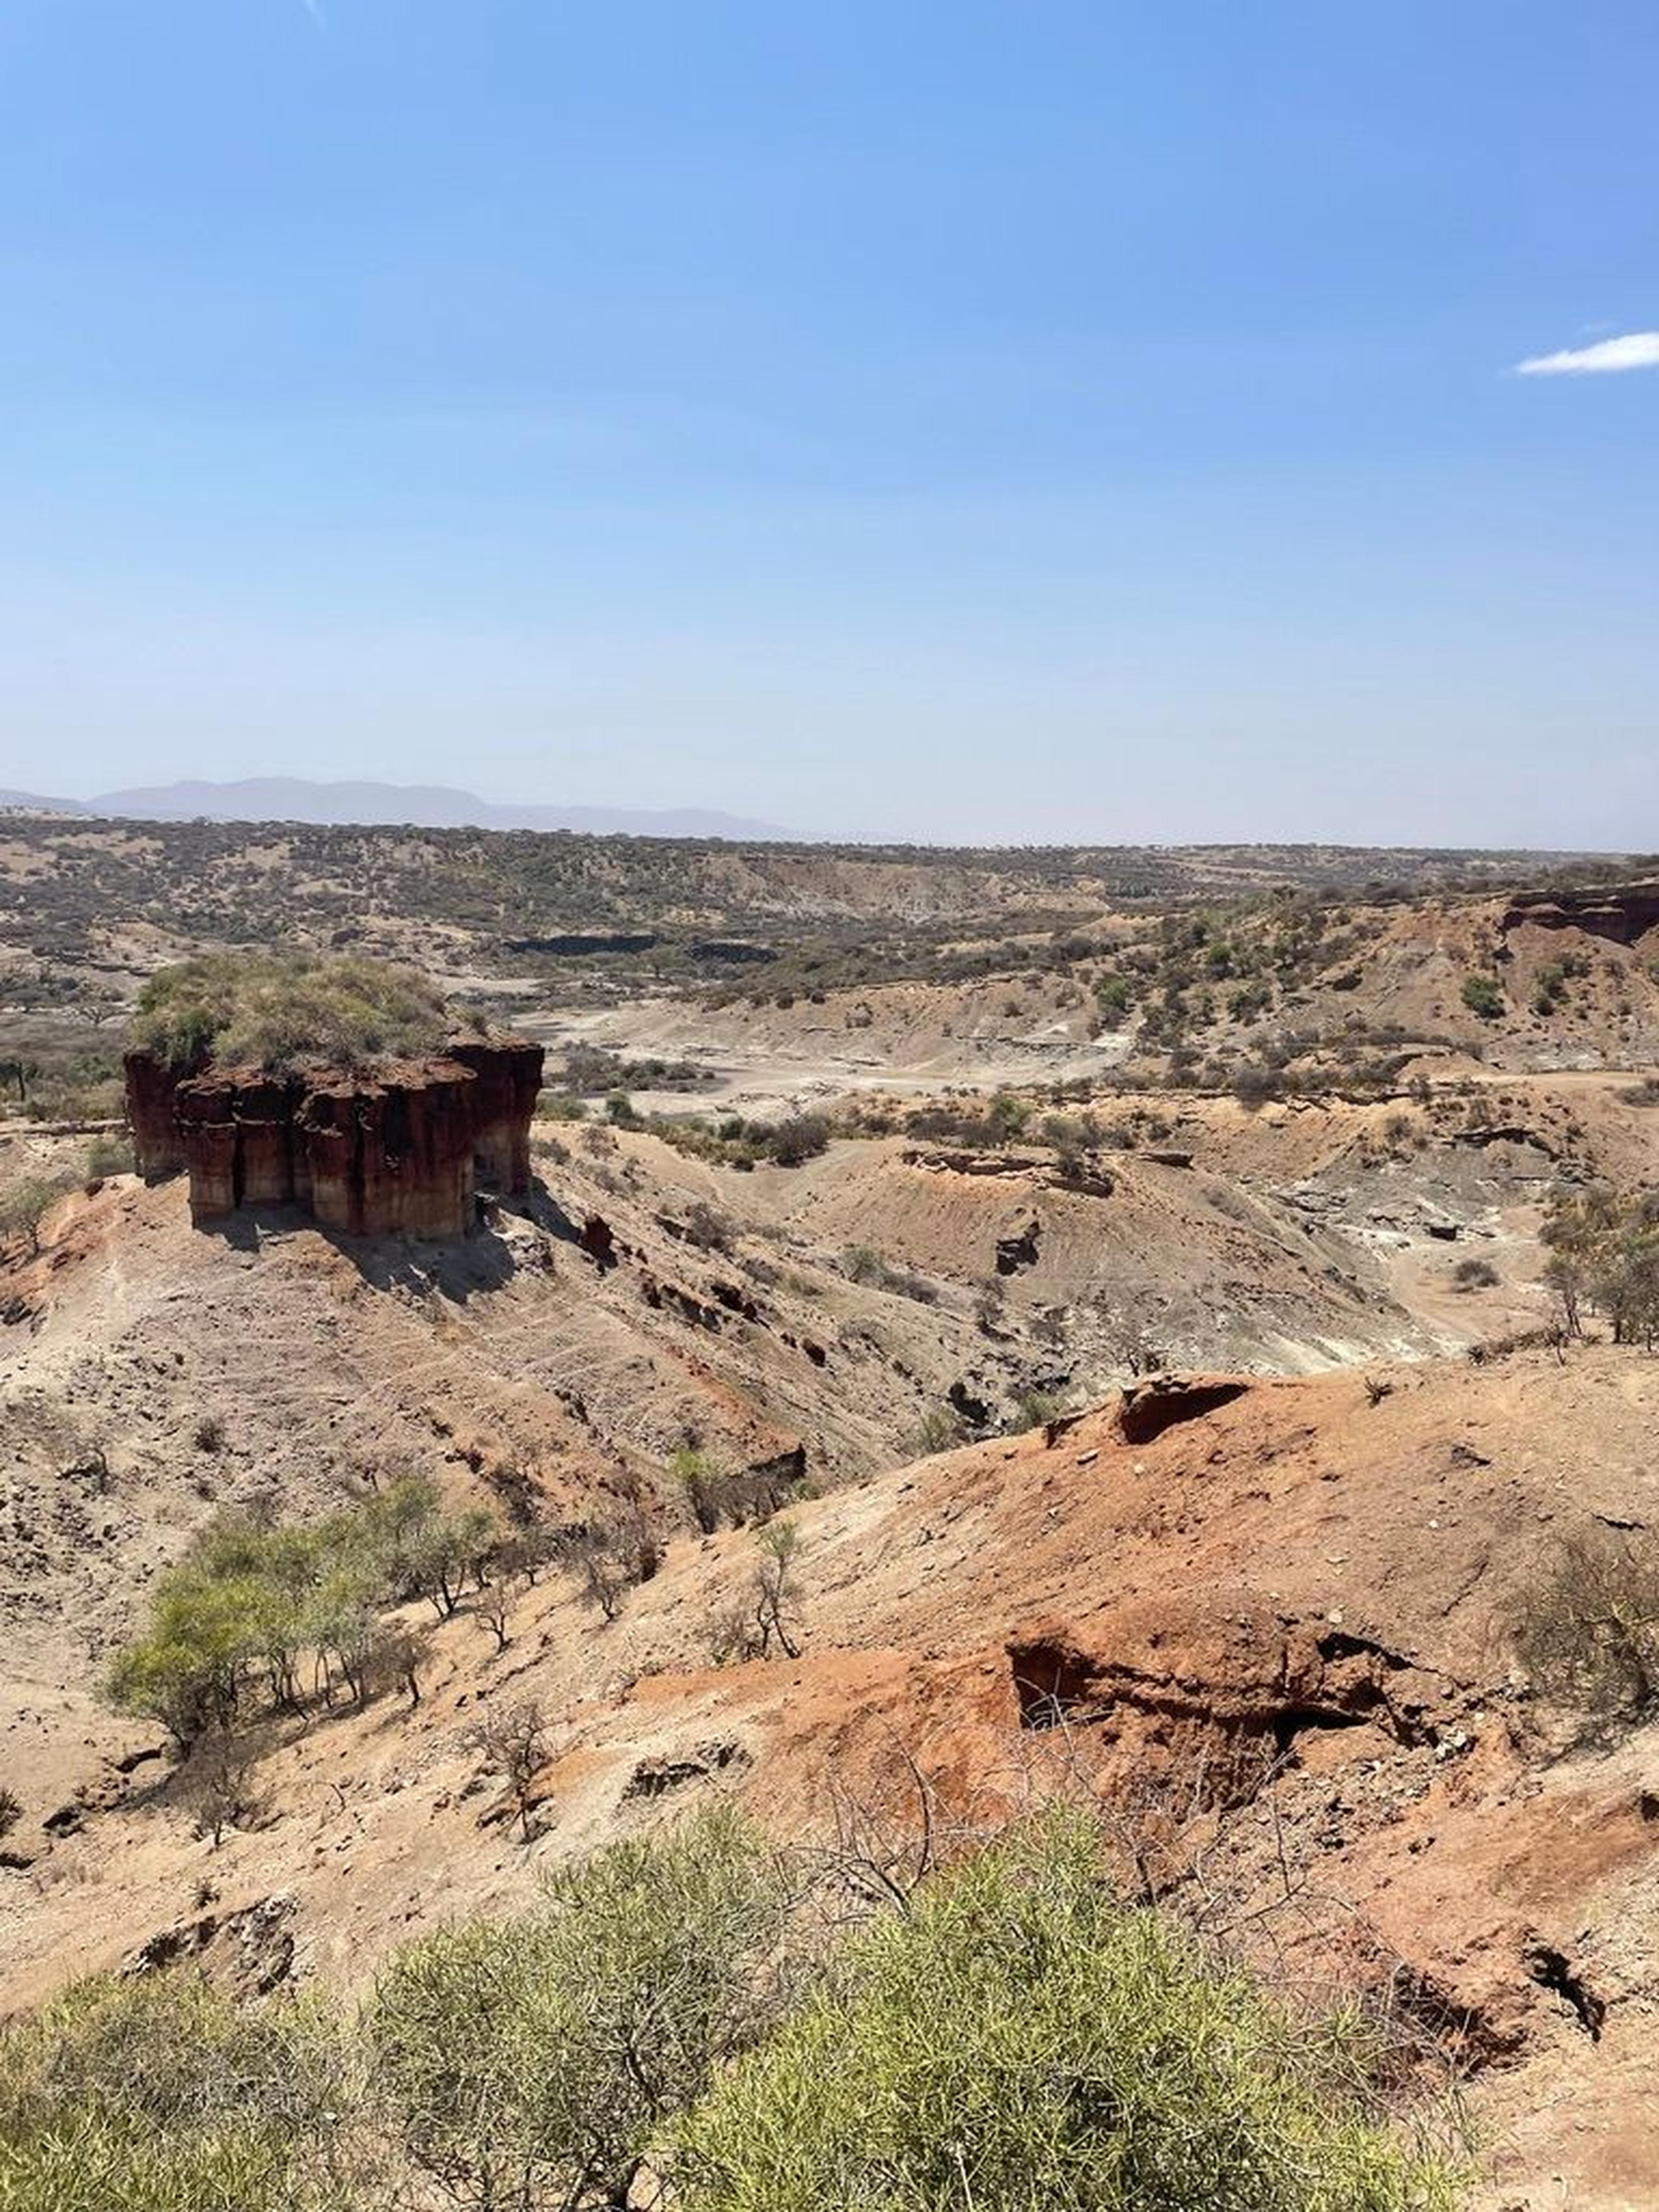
[{"x": 399, "y": 1148}]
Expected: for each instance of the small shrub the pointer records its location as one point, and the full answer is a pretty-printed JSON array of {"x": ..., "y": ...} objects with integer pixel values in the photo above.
[
  {"x": 1586, "y": 1631},
  {"x": 1253, "y": 1085},
  {"x": 707, "y": 1228},
  {"x": 1483, "y": 995},
  {"x": 108, "y": 1156},
  {"x": 862, "y": 1263},
  {"x": 941, "y": 1430},
  {"x": 513, "y": 1742},
  {"x": 1032, "y": 1410},
  {"x": 1474, "y": 1275},
  {"x": 801, "y": 1138}
]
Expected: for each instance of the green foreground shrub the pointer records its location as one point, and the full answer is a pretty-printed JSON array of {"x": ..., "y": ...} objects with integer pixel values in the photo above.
[
  {"x": 536, "y": 2060},
  {"x": 161, "y": 2094},
  {"x": 1021, "y": 2042},
  {"x": 1014, "y": 2040}
]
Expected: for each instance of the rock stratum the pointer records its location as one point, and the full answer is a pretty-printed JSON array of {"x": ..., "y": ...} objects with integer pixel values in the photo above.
[{"x": 398, "y": 1148}]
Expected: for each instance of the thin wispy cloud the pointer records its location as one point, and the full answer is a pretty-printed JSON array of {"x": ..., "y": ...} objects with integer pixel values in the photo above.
[
  {"x": 314, "y": 10},
  {"x": 1607, "y": 357}
]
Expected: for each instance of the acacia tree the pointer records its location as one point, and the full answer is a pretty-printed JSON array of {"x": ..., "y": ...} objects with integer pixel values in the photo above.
[
  {"x": 25, "y": 1206},
  {"x": 775, "y": 1594},
  {"x": 513, "y": 1742}
]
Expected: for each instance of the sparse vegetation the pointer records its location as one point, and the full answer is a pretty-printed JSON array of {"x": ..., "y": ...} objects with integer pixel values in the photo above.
[
  {"x": 1031, "y": 1409},
  {"x": 1483, "y": 995},
  {"x": 25, "y": 1204},
  {"x": 108, "y": 1156},
  {"x": 276, "y": 1011},
  {"x": 862, "y": 1264},
  {"x": 735, "y": 1142},
  {"x": 1587, "y": 1630},
  {"x": 233, "y": 1627},
  {"x": 940, "y": 1430},
  {"x": 766, "y": 1613},
  {"x": 1604, "y": 1256},
  {"x": 590, "y": 1071}
]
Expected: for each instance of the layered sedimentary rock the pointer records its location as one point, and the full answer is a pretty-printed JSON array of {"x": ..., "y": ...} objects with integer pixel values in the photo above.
[
  {"x": 508, "y": 1077},
  {"x": 394, "y": 1156},
  {"x": 1625, "y": 912},
  {"x": 152, "y": 1086},
  {"x": 397, "y": 1149}
]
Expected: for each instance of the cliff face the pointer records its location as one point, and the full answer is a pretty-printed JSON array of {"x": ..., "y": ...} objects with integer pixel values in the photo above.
[
  {"x": 395, "y": 1149},
  {"x": 507, "y": 1077},
  {"x": 157, "y": 1147},
  {"x": 1625, "y": 912}
]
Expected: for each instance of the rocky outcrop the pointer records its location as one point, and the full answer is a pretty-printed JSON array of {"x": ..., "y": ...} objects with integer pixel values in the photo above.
[
  {"x": 157, "y": 1148},
  {"x": 507, "y": 1075},
  {"x": 397, "y": 1149},
  {"x": 1162, "y": 1402},
  {"x": 1623, "y": 912}
]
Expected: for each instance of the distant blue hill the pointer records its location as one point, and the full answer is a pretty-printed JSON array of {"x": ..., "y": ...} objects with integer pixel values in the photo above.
[{"x": 421, "y": 806}]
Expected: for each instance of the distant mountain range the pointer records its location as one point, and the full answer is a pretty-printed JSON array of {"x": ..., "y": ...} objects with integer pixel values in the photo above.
[{"x": 420, "y": 805}]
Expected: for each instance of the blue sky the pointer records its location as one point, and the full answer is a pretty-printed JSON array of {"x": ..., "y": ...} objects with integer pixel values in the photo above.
[{"x": 996, "y": 423}]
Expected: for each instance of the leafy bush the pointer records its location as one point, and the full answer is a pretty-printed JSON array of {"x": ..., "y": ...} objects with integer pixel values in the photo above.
[
  {"x": 278, "y": 1011},
  {"x": 801, "y": 1138},
  {"x": 1019, "y": 2039},
  {"x": 1483, "y": 995},
  {"x": 535, "y": 2061}
]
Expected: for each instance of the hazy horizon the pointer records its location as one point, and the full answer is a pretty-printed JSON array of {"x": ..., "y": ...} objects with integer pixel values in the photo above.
[{"x": 1198, "y": 425}]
